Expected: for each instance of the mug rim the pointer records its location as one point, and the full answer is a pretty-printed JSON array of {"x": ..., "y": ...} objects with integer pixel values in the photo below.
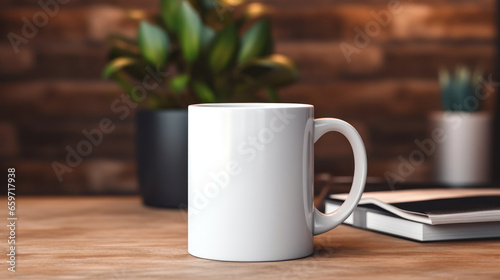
[{"x": 251, "y": 105}]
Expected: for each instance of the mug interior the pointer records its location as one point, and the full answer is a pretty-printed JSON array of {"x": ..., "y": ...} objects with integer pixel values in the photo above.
[{"x": 253, "y": 105}]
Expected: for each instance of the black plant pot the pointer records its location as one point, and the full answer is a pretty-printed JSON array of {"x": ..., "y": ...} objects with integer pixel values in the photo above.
[{"x": 161, "y": 147}]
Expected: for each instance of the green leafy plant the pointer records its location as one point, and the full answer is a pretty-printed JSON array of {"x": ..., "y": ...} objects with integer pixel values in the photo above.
[
  {"x": 209, "y": 56},
  {"x": 459, "y": 89}
]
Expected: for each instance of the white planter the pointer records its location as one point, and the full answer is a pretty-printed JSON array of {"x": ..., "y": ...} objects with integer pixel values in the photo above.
[{"x": 463, "y": 151}]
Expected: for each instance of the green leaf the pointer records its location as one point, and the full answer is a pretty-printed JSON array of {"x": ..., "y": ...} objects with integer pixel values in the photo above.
[
  {"x": 256, "y": 42},
  {"x": 189, "y": 29},
  {"x": 224, "y": 48},
  {"x": 117, "y": 64},
  {"x": 154, "y": 43},
  {"x": 169, "y": 10},
  {"x": 273, "y": 71},
  {"x": 179, "y": 83},
  {"x": 203, "y": 92},
  {"x": 122, "y": 46},
  {"x": 207, "y": 37},
  {"x": 446, "y": 89},
  {"x": 122, "y": 80},
  {"x": 465, "y": 90}
]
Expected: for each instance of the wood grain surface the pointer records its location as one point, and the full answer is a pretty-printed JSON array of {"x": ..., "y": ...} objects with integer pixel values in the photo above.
[{"x": 119, "y": 238}]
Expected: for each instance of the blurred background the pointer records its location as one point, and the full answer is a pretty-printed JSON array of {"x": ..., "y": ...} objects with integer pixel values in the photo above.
[{"x": 53, "y": 88}]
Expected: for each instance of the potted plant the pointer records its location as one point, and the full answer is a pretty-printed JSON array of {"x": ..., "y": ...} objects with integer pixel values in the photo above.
[
  {"x": 191, "y": 53},
  {"x": 462, "y": 131}
]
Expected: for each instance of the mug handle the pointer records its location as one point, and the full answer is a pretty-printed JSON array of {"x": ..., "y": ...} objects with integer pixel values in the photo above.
[{"x": 326, "y": 222}]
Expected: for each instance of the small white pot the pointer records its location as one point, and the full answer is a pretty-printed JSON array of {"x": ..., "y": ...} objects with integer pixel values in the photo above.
[{"x": 463, "y": 148}]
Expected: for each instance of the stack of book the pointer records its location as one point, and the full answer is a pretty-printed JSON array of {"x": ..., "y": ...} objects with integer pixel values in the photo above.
[{"x": 426, "y": 214}]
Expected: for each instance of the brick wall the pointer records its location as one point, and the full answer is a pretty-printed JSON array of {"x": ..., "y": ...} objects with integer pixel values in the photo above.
[{"x": 51, "y": 89}]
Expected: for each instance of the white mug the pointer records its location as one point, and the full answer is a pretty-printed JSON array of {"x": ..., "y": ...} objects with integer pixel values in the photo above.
[{"x": 250, "y": 180}]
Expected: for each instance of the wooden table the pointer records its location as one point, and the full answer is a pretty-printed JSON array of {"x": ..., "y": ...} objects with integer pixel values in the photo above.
[{"x": 119, "y": 238}]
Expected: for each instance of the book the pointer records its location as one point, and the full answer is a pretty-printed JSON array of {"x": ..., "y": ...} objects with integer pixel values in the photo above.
[{"x": 426, "y": 214}]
